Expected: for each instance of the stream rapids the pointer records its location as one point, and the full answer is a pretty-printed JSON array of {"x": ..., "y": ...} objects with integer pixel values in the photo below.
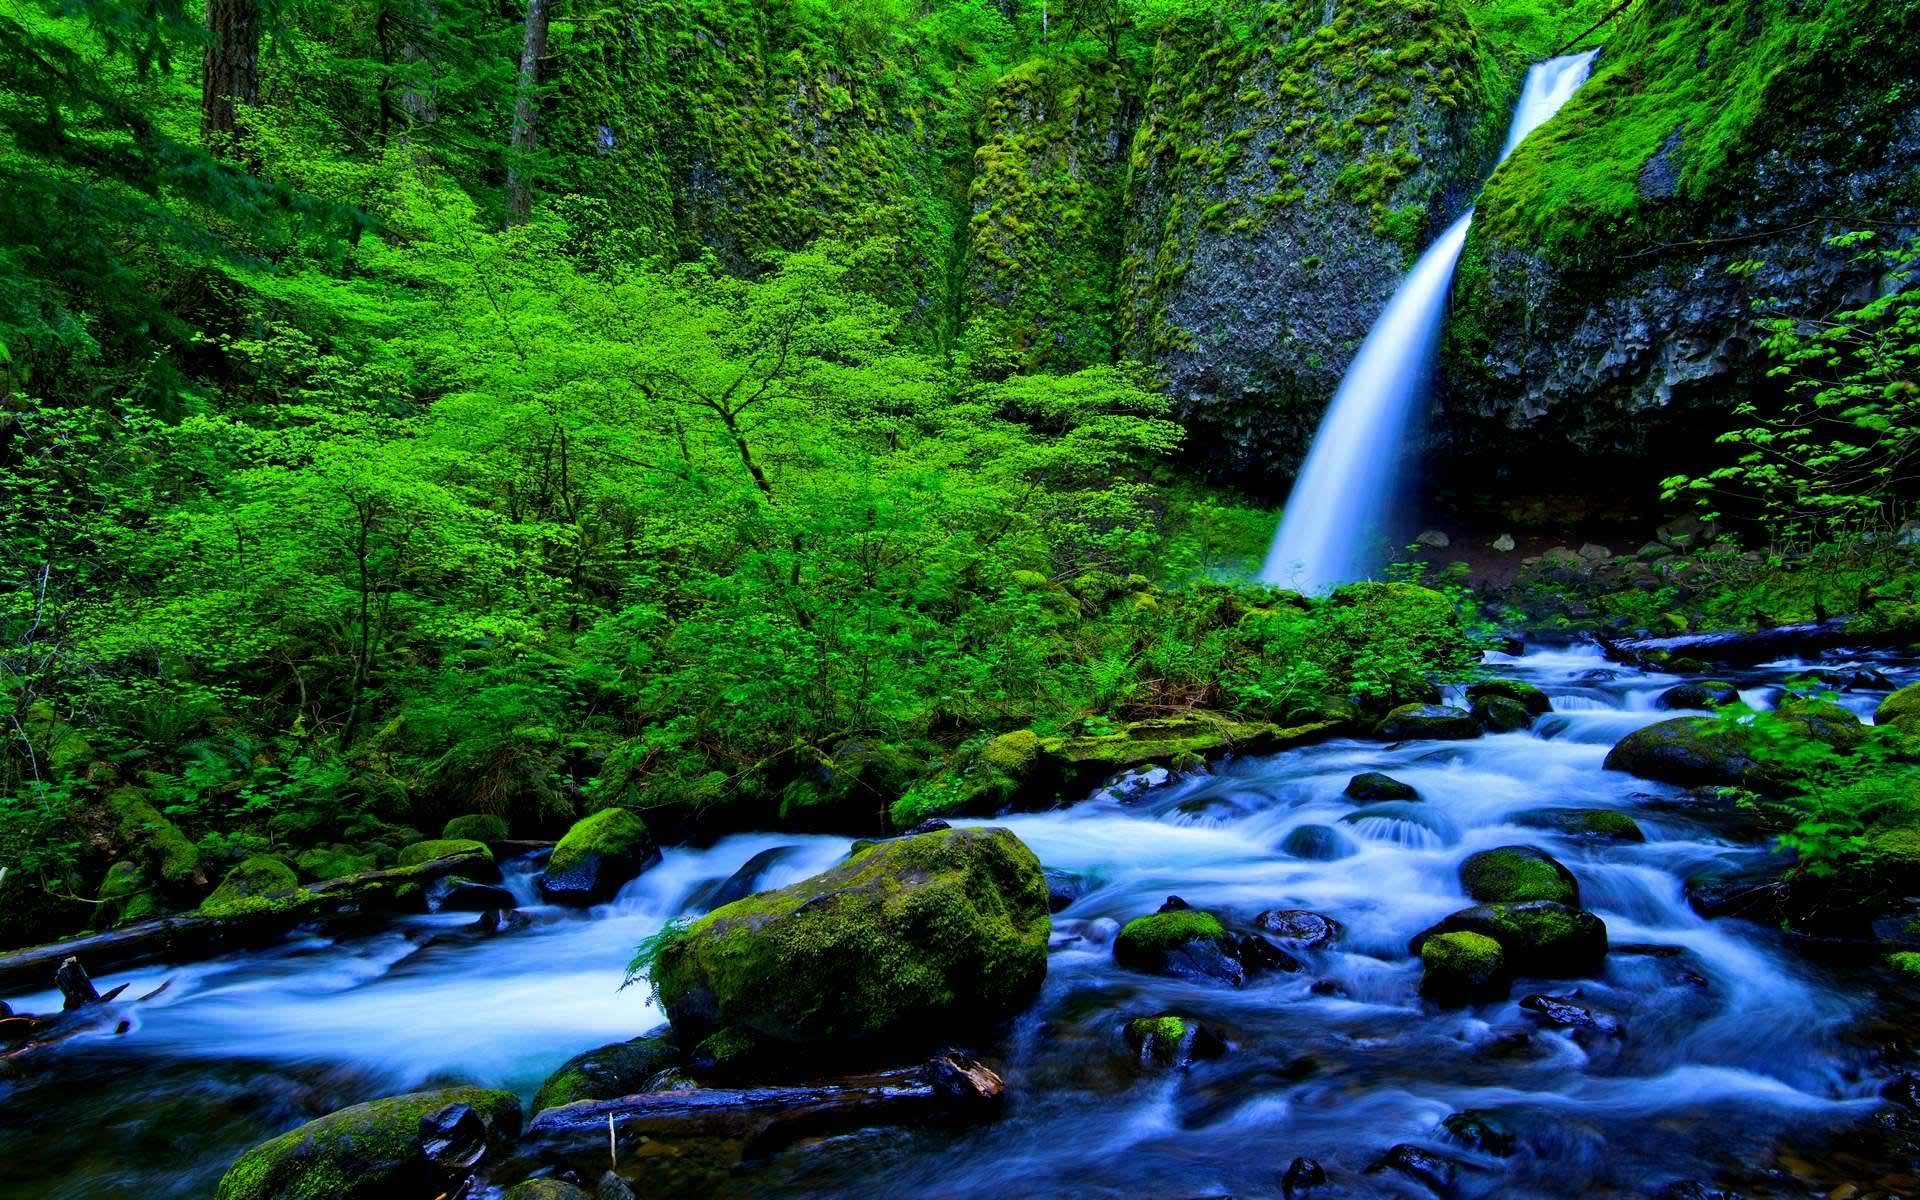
[{"x": 1730, "y": 1043}]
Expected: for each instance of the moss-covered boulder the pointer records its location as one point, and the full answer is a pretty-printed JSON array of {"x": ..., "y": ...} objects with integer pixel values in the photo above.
[
  {"x": 1172, "y": 1040},
  {"x": 425, "y": 852},
  {"x": 906, "y": 943},
  {"x": 609, "y": 1072},
  {"x": 1702, "y": 694},
  {"x": 126, "y": 896},
  {"x": 1369, "y": 787},
  {"x": 1184, "y": 942},
  {"x": 253, "y": 884},
  {"x": 1823, "y": 721},
  {"x": 1689, "y": 751},
  {"x": 1497, "y": 714},
  {"x": 1527, "y": 696},
  {"x": 1429, "y": 722},
  {"x": 333, "y": 862},
  {"x": 371, "y": 1151},
  {"x": 1900, "y": 710},
  {"x": 597, "y": 857},
  {"x": 1510, "y": 874},
  {"x": 1596, "y": 824},
  {"x": 1463, "y": 968},
  {"x": 147, "y": 837},
  {"x": 476, "y": 827},
  {"x": 1539, "y": 937}
]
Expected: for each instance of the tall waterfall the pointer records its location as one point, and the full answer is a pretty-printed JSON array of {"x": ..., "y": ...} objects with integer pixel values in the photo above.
[{"x": 1339, "y": 502}]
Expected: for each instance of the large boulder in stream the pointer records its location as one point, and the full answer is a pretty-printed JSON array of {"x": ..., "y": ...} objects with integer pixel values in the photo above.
[
  {"x": 622, "y": 1069},
  {"x": 1514, "y": 874},
  {"x": 598, "y": 855},
  {"x": 1371, "y": 786},
  {"x": 1429, "y": 722},
  {"x": 1463, "y": 967},
  {"x": 252, "y": 885},
  {"x": 392, "y": 1149},
  {"x": 1530, "y": 698},
  {"x": 908, "y": 942},
  {"x": 1900, "y": 710},
  {"x": 1539, "y": 938},
  {"x": 1706, "y": 751}
]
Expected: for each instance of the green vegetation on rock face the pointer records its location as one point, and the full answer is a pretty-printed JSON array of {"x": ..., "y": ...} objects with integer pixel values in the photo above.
[
  {"x": 1461, "y": 967},
  {"x": 253, "y": 884},
  {"x": 906, "y": 943},
  {"x": 1517, "y": 873},
  {"x": 425, "y": 852},
  {"x": 609, "y": 1072},
  {"x": 476, "y": 827},
  {"x": 1144, "y": 940},
  {"x": 368, "y": 1152}
]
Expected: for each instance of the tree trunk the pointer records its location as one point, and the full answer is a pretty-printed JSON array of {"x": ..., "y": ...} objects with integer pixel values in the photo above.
[
  {"x": 230, "y": 73},
  {"x": 525, "y": 119}
]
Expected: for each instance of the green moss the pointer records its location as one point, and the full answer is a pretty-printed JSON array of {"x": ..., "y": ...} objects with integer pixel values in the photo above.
[
  {"x": 476, "y": 827},
  {"x": 254, "y": 885},
  {"x": 1517, "y": 873},
  {"x": 421, "y": 853},
  {"x": 545, "y": 1189},
  {"x": 142, "y": 829},
  {"x": 1145, "y": 939},
  {"x": 1900, "y": 710},
  {"x": 1462, "y": 966},
  {"x": 609, "y": 1072},
  {"x": 333, "y": 862},
  {"x": 366, "y": 1152},
  {"x": 611, "y": 833},
  {"x": 1525, "y": 694},
  {"x": 1604, "y": 822},
  {"x": 900, "y": 943},
  {"x": 1012, "y": 754},
  {"x": 126, "y": 897},
  {"x": 1907, "y": 962}
]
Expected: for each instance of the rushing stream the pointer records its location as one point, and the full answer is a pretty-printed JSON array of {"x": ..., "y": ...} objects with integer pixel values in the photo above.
[{"x": 1728, "y": 1040}]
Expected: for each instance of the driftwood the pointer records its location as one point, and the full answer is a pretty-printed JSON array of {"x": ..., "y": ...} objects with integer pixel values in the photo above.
[
  {"x": 764, "y": 1118},
  {"x": 86, "y": 1009},
  {"x": 193, "y": 936},
  {"x": 1737, "y": 649}
]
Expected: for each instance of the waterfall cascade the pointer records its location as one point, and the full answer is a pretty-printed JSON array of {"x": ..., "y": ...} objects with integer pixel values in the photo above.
[{"x": 1339, "y": 503}]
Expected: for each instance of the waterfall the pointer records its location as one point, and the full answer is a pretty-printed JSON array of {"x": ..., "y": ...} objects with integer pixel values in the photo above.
[{"x": 1341, "y": 498}]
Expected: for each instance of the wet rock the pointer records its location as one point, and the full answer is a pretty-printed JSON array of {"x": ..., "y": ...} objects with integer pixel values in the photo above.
[
  {"x": 621, "y": 1069},
  {"x": 1513, "y": 874},
  {"x": 1854, "y": 679},
  {"x": 454, "y": 1137},
  {"x": 1498, "y": 715},
  {"x": 1172, "y": 1040},
  {"x": 1594, "y": 824},
  {"x": 1463, "y": 968},
  {"x": 1704, "y": 694},
  {"x": 597, "y": 856},
  {"x": 1539, "y": 938},
  {"x": 1304, "y": 1176},
  {"x": 374, "y": 1151},
  {"x": 464, "y": 895},
  {"x": 1185, "y": 943},
  {"x": 1317, "y": 843},
  {"x": 746, "y": 881},
  {"x": 1423, "y": 1166},
  {"x": 1257, "y": 952},
  {"x": 1757, "y": 897},
  {"x": 909, "y": 939},
  {"x": 612, "y": 1187},
  {"x": 1480, "y": 1132},
  {"x": 1429, "y": 722},
  {"x": 1371, "y": 786},
  {"x": 1174, "y": 904},
  {"x": 1689, "y": 751},
  {"x": 1529, "y": 697},
  {"x": 1297, "y": 925},
  {"x": 1693, "y": 1189},
  {"x": 1064, "y": 887},
  {"x": 1904, "y": 1090},
  {"x": 930, "y": 825},
  {"x": 546, "y": 1189},
  {"x": 1559, "y": 1012}
]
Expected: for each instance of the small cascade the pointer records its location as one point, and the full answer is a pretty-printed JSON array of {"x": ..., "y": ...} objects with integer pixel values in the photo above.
[{"x": 1340, "y": 501}]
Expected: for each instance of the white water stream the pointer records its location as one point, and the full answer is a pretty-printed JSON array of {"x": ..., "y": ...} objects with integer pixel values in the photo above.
[{"x": 1332, "y": 530}]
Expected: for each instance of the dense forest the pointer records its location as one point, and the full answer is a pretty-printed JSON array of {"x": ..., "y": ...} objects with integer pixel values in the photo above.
[{"x": 431, "y": 431}]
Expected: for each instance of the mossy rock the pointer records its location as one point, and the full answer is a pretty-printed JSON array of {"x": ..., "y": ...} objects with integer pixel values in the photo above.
[
  {"x": 126, "y": 897},
  {"x": 1900, "y": 710},
  {"x": 908, "y": 942},
  {"x": 147, "y": 835},
  {"x": 1511, "y": 874},
  {"x": 333, "y": 862},
  {"x": 546, "y": 1189},
  {"x": 1701, "y": 694},
  {"x": 1529, "y": 697},
  {"x": 421, "y": 853},
  {"x": 1463, "y": 968},
  {"x": 1429, "y": 722},
  {"x": 609, "y": 1072},
  {"x": 1824, "y": 721},
  {"x": 1599, "y": 824},
  {"x": 597, "y": 857},
  {"x": 475, "y": 827},
  {"x": 1186, "y": 943},
  {"x": 1539, "y": 937},
  {"x": 251, "y": 886},
  {"x": 1172, "y": 1040},
  {"x": 1497, "y": 714},
  {"x": 1688, "y": 751},
  {"x": 1371, "y": 786},
  {"x": 366, "y": 1152}
]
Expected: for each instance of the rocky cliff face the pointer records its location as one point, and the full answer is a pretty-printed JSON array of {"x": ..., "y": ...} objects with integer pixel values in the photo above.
[
  {"x": 1606, "y": 302},
  {"x": 1281, "y": 181}
]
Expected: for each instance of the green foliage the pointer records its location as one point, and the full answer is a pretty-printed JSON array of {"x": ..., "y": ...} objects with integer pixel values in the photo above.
[{"x": 1830, "y": 459}]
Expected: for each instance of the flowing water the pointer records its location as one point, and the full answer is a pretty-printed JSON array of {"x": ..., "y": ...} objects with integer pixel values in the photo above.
[
  {"x": 1331, "y": 530},
  {"x": 1729, "y": 1040}
]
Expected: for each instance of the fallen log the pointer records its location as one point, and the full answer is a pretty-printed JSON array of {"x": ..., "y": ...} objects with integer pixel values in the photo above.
[
  {"x": 193, "y": 936},
  {"x": 1733, "y": 648},
  {"x": 762, "y": 1119}
]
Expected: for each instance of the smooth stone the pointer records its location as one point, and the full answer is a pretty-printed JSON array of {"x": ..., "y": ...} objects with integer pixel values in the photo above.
[
  {"x": 1369, "y": 786},
  {"x": 1310, "y": 929},
  {"x": 1317, "y": 843},
  {"x": 1429, "y": 722}
]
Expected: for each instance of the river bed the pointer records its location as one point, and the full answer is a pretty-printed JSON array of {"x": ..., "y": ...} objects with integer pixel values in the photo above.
[{"x": 1728, "y": 1039}]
